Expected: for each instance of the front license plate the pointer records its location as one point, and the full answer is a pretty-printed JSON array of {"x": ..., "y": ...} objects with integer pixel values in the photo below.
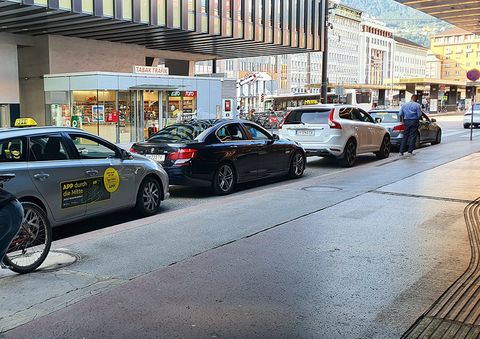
[
  {"x": 156, "y": 157},
  {"x": 305, "y": 132}
]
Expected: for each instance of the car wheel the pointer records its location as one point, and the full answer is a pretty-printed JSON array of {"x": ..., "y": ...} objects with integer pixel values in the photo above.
[
  {"x": 349, "y": 154},
  {"x": 417, "y": 141},
  {"x": 384, "y": 151},
  {"x": 224, "y": 179},
  {"x": 438, "y": 138},
  {"x": 466, "y": 125},
  {"x": 149, "y": 197},
  {"x": 297, "y": 165}
]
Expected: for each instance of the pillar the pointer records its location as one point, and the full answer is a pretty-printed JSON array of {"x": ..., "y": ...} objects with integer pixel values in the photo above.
[
  {"x": 410, "y": 90},
  {"x": 381, "y": 97}
]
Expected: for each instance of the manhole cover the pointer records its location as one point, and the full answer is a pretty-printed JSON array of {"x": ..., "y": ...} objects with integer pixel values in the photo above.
[
  {"x": 57, "y": 259},
  {"x": 321, "y": 189}
]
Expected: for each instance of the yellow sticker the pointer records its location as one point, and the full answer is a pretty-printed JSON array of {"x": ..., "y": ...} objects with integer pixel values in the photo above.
[{"x": 111, "y": 180}]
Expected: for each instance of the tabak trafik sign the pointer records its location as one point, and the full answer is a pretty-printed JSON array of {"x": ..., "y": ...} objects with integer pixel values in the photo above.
[{"x": 159, "y": 70}]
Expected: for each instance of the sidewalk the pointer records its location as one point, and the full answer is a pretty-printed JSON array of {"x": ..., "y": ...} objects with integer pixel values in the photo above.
[{"x": 364, "y": 260}]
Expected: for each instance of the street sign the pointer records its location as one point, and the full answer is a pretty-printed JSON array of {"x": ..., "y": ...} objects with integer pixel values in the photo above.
[{"x": 473, "y": 74}]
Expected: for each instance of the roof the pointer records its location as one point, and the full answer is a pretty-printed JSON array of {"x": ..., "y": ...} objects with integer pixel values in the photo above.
[
  {"x": 452, "y": 31},
  {"x": 408, "y": 42}
]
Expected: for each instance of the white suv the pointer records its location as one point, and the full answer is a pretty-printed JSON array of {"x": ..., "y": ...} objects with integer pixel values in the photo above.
[{"x": 340, "y": 131}]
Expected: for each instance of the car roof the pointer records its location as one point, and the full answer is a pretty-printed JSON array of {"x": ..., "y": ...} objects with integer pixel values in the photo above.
[
  {"x": 18, "y": 132},
  {"x": 390, "y": 110}
]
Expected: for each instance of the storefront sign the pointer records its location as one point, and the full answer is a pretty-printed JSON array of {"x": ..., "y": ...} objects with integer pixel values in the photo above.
[
  {"x": 159, "y": 70},
  {"x": 176, "y": 94},
  {"x": 182, "y": 94},
  {"x": 190, "y": 94}
]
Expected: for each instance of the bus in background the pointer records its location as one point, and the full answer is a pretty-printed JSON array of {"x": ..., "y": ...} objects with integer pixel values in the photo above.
[{"x": 362, "y": 98}]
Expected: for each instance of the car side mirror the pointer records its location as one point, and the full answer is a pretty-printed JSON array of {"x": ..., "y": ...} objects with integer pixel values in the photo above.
[
  {"x": 125, "y": 155},
  {"x": 378, "y": 120},
  {"x": 275, "y": 137},
  {"x": 433, "y": 120}
]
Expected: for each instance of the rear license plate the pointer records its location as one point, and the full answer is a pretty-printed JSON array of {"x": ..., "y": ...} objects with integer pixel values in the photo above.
[
  {"x": 305, "y": 132},
  {"x": 156, "y": 157}
]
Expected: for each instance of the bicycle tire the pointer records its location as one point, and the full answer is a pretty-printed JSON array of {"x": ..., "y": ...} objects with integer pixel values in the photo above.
[{"x": 30, "y": 247}]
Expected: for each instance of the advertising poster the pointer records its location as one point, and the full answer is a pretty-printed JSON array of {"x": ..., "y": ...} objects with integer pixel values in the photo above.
[{"x": 98, "y": 113}]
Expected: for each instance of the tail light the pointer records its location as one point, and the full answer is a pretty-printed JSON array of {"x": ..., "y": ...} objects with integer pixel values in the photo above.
[
  {"x": 132, "y": 150},
  {"x": 332, "y": 123},
  {"x": 399, "y": 128},
  {"x": 183, "y": 155}
]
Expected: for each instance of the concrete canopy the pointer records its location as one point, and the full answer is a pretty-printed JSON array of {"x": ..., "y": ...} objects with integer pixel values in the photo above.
[{"x": 461, "y": 13}]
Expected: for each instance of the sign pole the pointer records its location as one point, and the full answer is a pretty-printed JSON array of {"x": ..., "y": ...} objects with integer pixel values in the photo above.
[
  {"x": 473, "y": 75},
  {"x": 471, "y": 121}
]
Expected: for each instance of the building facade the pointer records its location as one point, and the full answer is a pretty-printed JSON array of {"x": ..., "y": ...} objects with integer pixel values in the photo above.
[
  {"x": 48, "y": 37},
  {"x": 410, "y": 59}
]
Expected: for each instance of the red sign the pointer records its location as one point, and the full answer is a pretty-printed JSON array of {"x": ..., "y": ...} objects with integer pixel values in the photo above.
[
  {"x": 473, "y": 74},
  {"x": 228, "y": 105},
  {"x": 190, "y": 94},
  {"x": 112, "y": 116}
]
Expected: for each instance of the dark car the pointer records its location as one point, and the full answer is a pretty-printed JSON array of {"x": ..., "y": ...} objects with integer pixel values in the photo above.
[
  {"x": 222, "y": 153},
  {"x": 428, "y": 130}
]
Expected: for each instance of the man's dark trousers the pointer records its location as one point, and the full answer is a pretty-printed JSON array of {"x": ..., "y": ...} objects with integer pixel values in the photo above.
[{"x": 409, "y": 135}]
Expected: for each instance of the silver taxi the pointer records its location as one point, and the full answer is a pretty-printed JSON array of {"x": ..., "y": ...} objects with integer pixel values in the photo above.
[{"x": 69, "y": 174}]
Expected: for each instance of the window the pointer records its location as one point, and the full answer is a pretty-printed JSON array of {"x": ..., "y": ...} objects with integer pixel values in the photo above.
[
  {"x": 177, "y": 20},
  {"x": 127, "y": 9},
  {"x": 13, "y": 150},
  {"x": 362, "y": 116},
  {"x": 47, "y": 148},
  {"x": 257, "y": 133},
  {"x": 92, "y": 148},
  {"x": 108, "y": 8},
  {"x": 145, "y": 11},
  {"x": 191, "y": 15},
  {"x": 308, "y": 117},
  {"x": 346, "y": 113},
  {"x": 161, "y": 12},
  {"x": 231, "y": 132}
]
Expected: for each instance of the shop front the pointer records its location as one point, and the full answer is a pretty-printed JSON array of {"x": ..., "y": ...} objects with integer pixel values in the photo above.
[{"x": 126, "y": 108}]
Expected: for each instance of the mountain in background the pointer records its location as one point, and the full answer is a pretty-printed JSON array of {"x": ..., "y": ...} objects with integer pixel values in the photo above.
[{"x": 407, "y": 22}]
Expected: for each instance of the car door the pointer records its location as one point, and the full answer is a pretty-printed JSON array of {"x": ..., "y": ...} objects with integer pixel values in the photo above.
[
  {"x": 432, "y": 129},
  {"x": 110, "y": 180},
  {"x": 56, "y": 174},
  {"x": 376, "y": 131},
  {"x": 362, "y": 131},
  {"x": 423, "y": 129},
  {"x": 273, "y": 157},
  {"x": 234, "y": 145}
]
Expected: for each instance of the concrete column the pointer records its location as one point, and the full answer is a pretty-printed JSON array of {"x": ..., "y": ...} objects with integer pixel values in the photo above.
[
  {"x": 180, "y": 67},
  {"x": 452, "y": 96},
  {"x": 410, "y": 90}
]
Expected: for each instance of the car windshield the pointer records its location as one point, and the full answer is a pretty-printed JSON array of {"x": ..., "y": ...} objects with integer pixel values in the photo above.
[
  {"x": 318, "y": 116},
  {"x": 386, "y": 117},
  {"x": 182, "y": 132}
]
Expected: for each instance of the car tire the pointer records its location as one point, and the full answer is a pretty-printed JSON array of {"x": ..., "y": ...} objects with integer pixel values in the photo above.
[
  {"x": 349, "y": 154},
  {"x": 297, "y": 165},
  {"x": 438, "y": 138},
  {"x": 384, "y": 151},
  {"x": 224, "y": 179},
  {"x": 149, "y": 197},
  {"x": 466, "y": 125}
]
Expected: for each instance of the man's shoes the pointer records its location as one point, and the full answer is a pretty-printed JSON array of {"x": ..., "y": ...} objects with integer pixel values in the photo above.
[{"x": 411, "y": 154}]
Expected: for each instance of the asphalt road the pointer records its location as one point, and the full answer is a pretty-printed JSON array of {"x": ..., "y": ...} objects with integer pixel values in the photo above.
[{"x": 187, "y": 197}]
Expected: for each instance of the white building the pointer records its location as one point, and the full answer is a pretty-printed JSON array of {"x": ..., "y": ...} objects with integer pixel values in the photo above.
[
  {"x": 410, "y": 59},
  {"x": 433, "y": 66},
  {"x": 376, "y": 52}
]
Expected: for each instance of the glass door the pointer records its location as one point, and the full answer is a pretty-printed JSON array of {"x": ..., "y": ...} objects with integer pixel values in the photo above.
[
  {"x": 126, "y": 116},
  {"x": 4, "y": 116}
]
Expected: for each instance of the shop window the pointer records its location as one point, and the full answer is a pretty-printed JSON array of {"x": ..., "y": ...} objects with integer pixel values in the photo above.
[
  {"x": 127, "y": 9},
  {"x": 87, "y": 6},
  {"x": 177, "y": 13},
  {"x": 41, "y": 2},
  {"x": 145, "y": 11},
  {"x": 65, "y": 4},
  {"x": 191, "y": 15},
  {"x": 161, "y": 12},
  {"x": 108, "y": 8},
  {"x": 125, "y": 116}
]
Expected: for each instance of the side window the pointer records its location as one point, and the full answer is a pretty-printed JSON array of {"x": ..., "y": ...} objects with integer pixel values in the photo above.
[
  {"x": 230, "y": 132},
  {"x": 13, "y": 150},
  {"x": 45, "y": 148},
  {"x": 256, "y": 133},
  {"x": 367, "y": 117},
  {"x": 92, "y": 148},
  {"x": 346, "y": 113}
]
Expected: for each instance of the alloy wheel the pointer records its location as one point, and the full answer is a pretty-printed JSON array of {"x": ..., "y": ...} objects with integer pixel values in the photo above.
[
  {"x": 298, "y": 164},
  {"x": 225, "y": 178},
  {"x": 151, "y": 196}
]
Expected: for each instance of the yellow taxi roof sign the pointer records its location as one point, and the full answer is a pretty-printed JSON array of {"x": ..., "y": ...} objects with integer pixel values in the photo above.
[{"x": 25, "y": 122}]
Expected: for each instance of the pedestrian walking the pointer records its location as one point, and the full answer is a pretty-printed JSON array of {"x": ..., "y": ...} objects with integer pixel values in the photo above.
[
  {"x": 410, "y": 113},
  {"x": 11, "y": 216}
]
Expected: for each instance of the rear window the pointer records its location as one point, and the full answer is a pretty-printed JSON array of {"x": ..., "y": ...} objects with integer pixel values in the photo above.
[
  {"x": 181, "y": 132},
  {"x": 386, "y": 117},
  {"x": 308, "y": 117}
]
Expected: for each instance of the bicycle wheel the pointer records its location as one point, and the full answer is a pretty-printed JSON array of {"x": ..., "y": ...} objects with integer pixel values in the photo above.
[{"x": 30, "y": 247}]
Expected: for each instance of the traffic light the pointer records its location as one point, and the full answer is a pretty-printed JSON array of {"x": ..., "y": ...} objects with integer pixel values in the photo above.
[{"x": 262, "y": 97}]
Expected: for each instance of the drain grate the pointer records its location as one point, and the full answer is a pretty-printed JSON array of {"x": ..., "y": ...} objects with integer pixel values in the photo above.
[
  {"x": 456, "y": 314},
  {"x": 321, "y": 189}
]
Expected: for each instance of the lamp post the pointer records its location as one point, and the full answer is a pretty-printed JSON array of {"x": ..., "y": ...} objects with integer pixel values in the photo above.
[{"x": 324, "y": 87}]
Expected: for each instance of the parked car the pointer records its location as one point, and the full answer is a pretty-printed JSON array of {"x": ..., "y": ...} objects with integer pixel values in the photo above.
[
  {"x": 428, "y": 130},
  {"x": 68, "y": 174},
  {"x": 339, "y": 131},
  {"x": 222, "y": 153},
  {"x": 467, "y": 117}
]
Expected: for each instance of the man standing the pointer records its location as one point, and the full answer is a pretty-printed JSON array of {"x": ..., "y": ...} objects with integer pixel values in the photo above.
[
  {"x": 11, "y": 216},
  {"x": 410, "y": 113}
]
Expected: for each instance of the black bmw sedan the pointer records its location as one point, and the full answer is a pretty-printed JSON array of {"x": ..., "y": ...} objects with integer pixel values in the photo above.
[{"x": 222, "y": 153}]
